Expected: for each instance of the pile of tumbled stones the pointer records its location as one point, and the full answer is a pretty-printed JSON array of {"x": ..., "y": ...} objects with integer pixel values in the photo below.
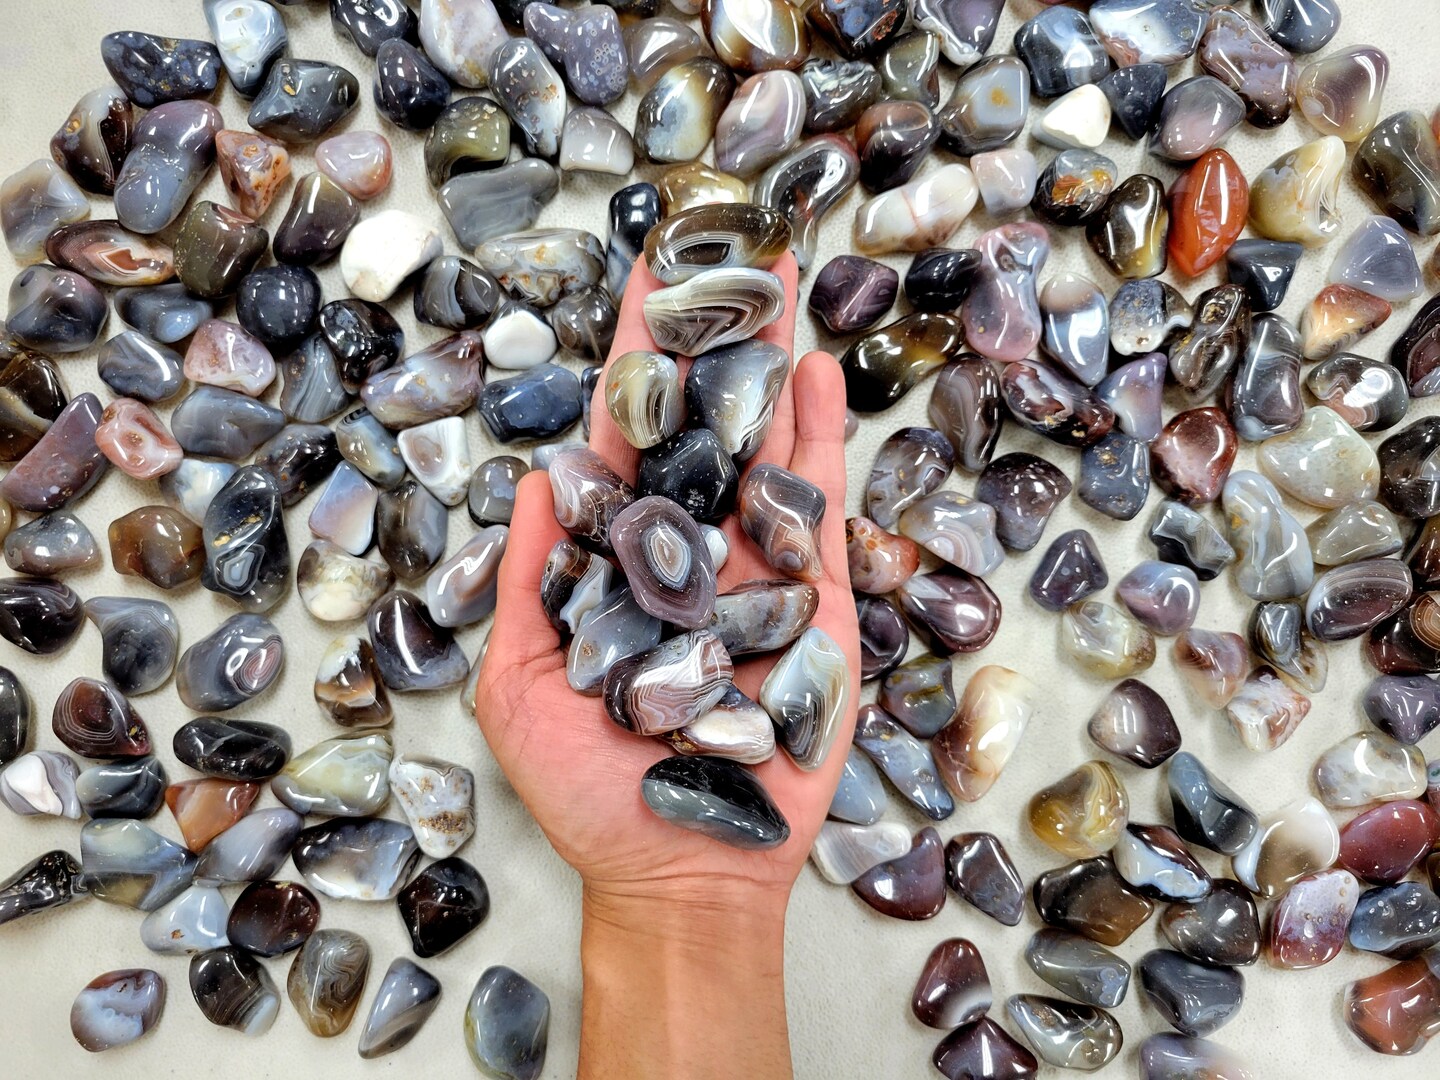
[{"x": 800, "y": 106}]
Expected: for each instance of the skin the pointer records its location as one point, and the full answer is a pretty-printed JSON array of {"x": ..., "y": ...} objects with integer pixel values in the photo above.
[{"x": 683, "y": 942}]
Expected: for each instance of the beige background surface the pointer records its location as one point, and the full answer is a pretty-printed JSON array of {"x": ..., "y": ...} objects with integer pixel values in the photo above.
[{"x": 850, "y": 970}]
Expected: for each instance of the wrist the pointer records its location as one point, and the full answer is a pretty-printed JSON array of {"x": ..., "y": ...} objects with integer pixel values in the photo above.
[{"x": 656, "y": 957}]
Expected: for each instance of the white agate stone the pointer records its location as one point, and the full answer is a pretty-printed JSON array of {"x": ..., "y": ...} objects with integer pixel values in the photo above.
[
  {"x": 594, "y": 141},
  {"x": 921, "y": 214},
  {"x": 460, "y": 37},
  {"x": 438, "y": 798},
  {"x": 382, "y": 251},
  {"x": 518, "y": 338},
  {"x": 438, "y": 454},
  {"x": 1080, "y": 120}
]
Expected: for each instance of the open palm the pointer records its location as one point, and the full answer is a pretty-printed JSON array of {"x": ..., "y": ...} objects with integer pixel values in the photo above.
[{"x": 576, "y": 770}]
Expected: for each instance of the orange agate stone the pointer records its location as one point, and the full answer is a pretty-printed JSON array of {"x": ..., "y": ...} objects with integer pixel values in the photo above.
[
  {"x": 205, "y": 808},
  {"x": 1209, "y": 204}
]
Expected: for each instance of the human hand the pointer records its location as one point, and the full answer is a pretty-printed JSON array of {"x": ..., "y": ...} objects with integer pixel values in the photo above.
[{"x": 576, "y": 770}]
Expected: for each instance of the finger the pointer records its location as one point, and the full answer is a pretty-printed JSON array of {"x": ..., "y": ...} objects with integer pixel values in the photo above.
[
  {"x": 631, "y": 334},
  {"x": 820, "y": 452},
  {"x": 521, "y": 630},
  {"x": 819, "y": 457},
  {"x": 779, "y": 444}
]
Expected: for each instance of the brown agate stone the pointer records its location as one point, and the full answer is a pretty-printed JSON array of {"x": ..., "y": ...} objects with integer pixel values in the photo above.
[
  {"x": 159, "y": 544},
  {"x": 1191, "y": 458}
]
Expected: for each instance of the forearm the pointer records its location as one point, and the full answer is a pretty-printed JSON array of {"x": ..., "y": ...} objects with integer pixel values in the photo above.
[{"x": 684, "y": 989}]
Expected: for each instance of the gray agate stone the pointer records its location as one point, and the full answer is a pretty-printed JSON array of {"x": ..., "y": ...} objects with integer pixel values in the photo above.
[
  {"x": 665, "y": 560},
  {"x": 163, "y": 313},
  {"x": 125, "y": 862},
  {"x": 716, "y": 798},
  {"x": 1061, "y": 51},
  {"x": 140, "y": 639},
  {"x": 252, "y": 849},
  {"x": 1079, "y": 967},
  {"x": 365, "y": 442},
  {"x": 905, "y": 761},
  {"x": 479, "y": 205},
  {"x": 152, "y": 70},
  {"x": 587, "y": 42},
  {"x": 461, "y": 590},
  {"x": 303, "y": 99},
  {"x": 541, "y": 265},
  {"x": 192, "y": 922},
  {"x": 530, "y": 90},
  {"x": 232, "y": 665},
  {"x": 1274, "y": 554},
  {"x": 173, "y": 149},
  {"x": 215, "y": 422},
  {"x": 406, "y": 997},
  {"x": 51, "y": 544},
  {"x": 1063, "y": 1033},
  {"x": 55, "y": 311},
  {"x": 536, "y": 404},
  {"x": 123, "y": 789},
  {"x": 615, "y": 629},
  {"x": 413, "y": 651},
  {"x": 134, "y": 366},
  {"x": 357, "y": 858},
  {"x": 36, "y": 201},
  {"x": 247, "y": 556},
  {"x": 806, "y": 694},
  {"x": 1264, "y": 394},
  {"x": 1115, "y": 476},
  {"x": 733, "y": 390},
  {"x": 250, "y": 35},
  {"x": 443, "y": 379},
  {"x": 507, "y": 1025}
]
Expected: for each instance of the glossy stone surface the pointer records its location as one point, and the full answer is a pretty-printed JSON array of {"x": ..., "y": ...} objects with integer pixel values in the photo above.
[
  {"x": 56, "y": 311},
  {"x": 851, "y": 292},
  {"x": 412, "y": 650},
  {"x": 1398, "y": 166},
  {"x": 34, "y": 202},
  {"x": 1369, "y": 395},
  {"x": 1221, "y": 928},
  {"x": 127, "y": 863},
  {"x": 1185, "y": 537},
  {"x": 1024, "y": 490},
  {"x": 39, "y": 615},
  {"x": 1088, "y": 897},
  {"x": 271, "y": 918},
  {"x": 234, "y": 990},
  {"x": 1274, "y": 554},
  {"x": 173, "y": 147},
  {"x": 716, "y": 798},
  {"x": 1070, "y": 570},
  {"x": 50, "y": 544},
  {"x": 1134, "y": 723},
  {"x": 157, "y": 543},
  {"x": 14, "y": 717},
  {"x": 1054, "y": 405},
  {"x": 232, "y": 749},
  {"x": 404, "y": 1000},
  {"x": 911, "y": 886},
  {"x": 1338, "y": 317},
  {"x": 1081, "y": 814},
  {"x": 1196, "y": 999},
  {"x": 45, "y": 882},
  {"x": 193, "y": 922},
  {"x": 1294, "y": 199},
  {"x": 250, "y": 850},
  {"x": 1341, "y": 94},
  {"x": 1105, "y": 640},
  {"x": 1400, "y": 921},
  {"x": 152, "y": 70},
  {"x": 974, "y": 747},
  {"x": 41, "y": 782},
  {"x": 979, "y": 870},
  {"x": 1394, "y": 1011},
  {"x": 359, "y": 162},
  {"x": 94, "y": 720}
]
